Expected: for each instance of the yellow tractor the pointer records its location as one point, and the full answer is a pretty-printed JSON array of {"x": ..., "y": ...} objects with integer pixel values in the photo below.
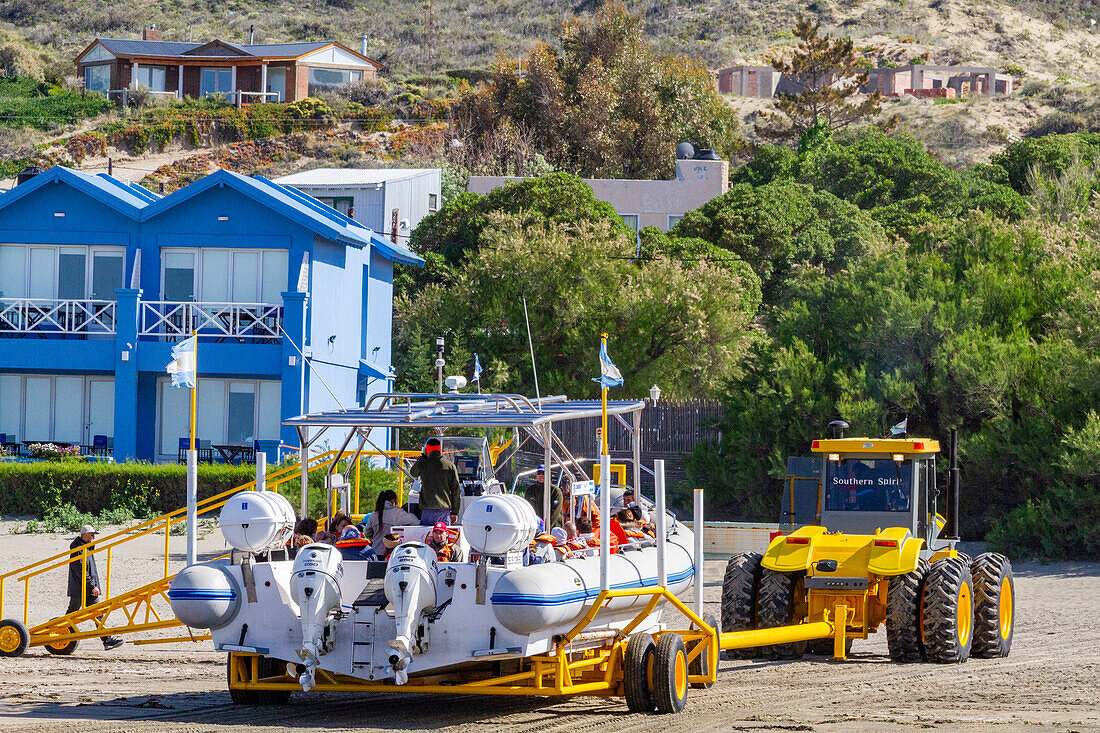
[{"x": 877, "y": 553}]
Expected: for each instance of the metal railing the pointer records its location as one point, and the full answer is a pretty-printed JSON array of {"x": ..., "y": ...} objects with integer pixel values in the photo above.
[
  {"x": 66, "y": 317},
  {"x": 172, "y": 320}
]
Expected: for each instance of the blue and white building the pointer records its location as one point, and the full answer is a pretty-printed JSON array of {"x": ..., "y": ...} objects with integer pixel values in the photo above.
[{"x": 99, "y": 278}]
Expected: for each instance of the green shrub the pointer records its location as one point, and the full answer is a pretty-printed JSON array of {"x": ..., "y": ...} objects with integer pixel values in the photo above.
[{"x": 1060, "y": 525}]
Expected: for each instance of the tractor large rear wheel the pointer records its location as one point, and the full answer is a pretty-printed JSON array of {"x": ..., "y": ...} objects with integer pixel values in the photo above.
[
  {"x": 947, "y": 612},
  {"x": 903, "y": 623},
  {"x": 739, "y": 586},
  {"x": 779, "y": 603},
  {"x": 994, "y": 605}
]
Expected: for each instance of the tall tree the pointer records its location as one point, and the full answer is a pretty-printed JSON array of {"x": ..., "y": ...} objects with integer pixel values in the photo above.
[{"x": 829, "y": 74}]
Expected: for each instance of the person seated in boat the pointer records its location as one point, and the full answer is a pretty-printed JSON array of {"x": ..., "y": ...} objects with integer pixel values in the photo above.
[
  {"x": 541, "y": 548},
  {"x": 444, "y": 543},
  {"x": 629, "y": 525},
  {"x": 571, "y": 530},
  {"x": 385, "y": 517},
  {"x": 585, "y": 506},
  {"x": 303, "y": 532},
  {"x": 645, "y": 523},
  {"x": 533, "y": 494}
]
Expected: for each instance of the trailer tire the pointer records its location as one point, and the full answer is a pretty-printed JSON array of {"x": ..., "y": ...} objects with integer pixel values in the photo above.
[
  {"x": 825, "y": 647},
  {"x": 239, "y": 697},
  {"x": 670, "y": 673},
  {"x": 701, "y": 664},
  {"x": 776, "y": 603},
  {"x": 272, "y": 668},
  {"x": 994, "y": 605},
  {"x": 64, "y": 648},
  {"x": 14, "y": 638},
  {"x": 947, "y": 612},
  {"x": 739, "y": 589},
  {"x": 903, "y": 620},
  {"x": 638, "y": 673}
]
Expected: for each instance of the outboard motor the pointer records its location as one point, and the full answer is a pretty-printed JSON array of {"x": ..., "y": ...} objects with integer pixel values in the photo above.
[
  {"x": 410, "y": 588},
  {"x": 315, "y": 585}
]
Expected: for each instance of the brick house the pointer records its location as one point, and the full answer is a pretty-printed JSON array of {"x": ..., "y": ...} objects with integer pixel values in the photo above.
[{"x": 245, "y": 73}]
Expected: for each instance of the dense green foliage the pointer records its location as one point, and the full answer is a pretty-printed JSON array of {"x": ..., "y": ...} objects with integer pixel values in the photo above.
[
  {"x": 25, "y": 102},
  {"x": 1051, "y": 155},
  {"x": 607, "y": 104}
]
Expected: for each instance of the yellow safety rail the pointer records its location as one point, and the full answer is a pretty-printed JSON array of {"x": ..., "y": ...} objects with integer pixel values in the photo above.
[{"x": 59, "y": 631}]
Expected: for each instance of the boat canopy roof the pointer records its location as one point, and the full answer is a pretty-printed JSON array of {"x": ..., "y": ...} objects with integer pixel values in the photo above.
[{"x": 414, "y": 410}]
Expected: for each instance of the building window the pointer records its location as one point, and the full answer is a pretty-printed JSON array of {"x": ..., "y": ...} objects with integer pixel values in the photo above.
[
  {"x": 433, "y": 202},
  {"x": 218, "y": 80},
  {"x": 344, "y": 204},
  {"x": 674, "y": 219},
  {"x": 276, "y": 82},
  {"x": 60, "y": 273},
  {"x": 150, "y": 77},
  {"x": 220, "y": 275},
  {"x": 329, "y": 78},
  {"x": 97, "y": 78},
  {"x": 61, "y": 409},
  {"x": 230, "y": 412},
  {"x": 631, "y": 220}
]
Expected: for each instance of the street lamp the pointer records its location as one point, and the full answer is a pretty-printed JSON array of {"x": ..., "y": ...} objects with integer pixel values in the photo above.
[
  {"x": 439, "y": 360},
  {"x": 654, "y": 394}
]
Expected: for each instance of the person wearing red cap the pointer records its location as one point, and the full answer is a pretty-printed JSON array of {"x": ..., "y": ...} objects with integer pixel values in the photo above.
[
  {"x": 439, "y": 539},
  {"x": 440, "y": 499}
]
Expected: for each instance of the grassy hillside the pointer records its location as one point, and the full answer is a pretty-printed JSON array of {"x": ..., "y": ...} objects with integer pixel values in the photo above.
[{"x": 1052, "y": 37}]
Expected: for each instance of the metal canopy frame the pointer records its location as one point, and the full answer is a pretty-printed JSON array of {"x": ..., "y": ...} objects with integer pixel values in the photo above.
[{"x": 535, "y": 417}]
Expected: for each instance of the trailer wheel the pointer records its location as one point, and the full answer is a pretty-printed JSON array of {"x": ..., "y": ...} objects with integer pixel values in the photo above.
[
  {"x": 272, "y": 668},
  {"x": 638, "y": 673},
  {"x": 239, "y": 697},
  {"x": 14, "y": 638},
  {"x": 64, "y": 648},
  {"x": 994, "y": 607},
  {"x": 777, "y": 604},
  {"x": 739, "y": 586},
  {"x": 903, "y": 623},
  {"x": 701, "y": 664},
  {"x": 947, "y": 612},
  {"x": 670, "y": 674}
]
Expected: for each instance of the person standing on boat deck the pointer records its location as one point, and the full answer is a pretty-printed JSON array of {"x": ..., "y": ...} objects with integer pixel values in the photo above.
[
  {"x": 91, "y": 581},
  {"x": 440, "y": 500},
  {"x": 533, "y": 494}
]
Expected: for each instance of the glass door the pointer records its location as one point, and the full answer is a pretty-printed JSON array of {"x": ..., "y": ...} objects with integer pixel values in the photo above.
[
  {"x": 100, "y": 410},
  {"x": 108, "y": 273},
  {"x": 179, "y": 277},
  {"x": 276, "y": 82}
]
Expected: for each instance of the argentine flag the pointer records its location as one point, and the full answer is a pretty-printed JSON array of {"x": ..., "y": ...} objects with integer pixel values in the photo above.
[
  {"x": 901, "y": 428},
  {"x": 609, "y": 373},
  {"x": 182, "y": 366},
  {"x": 477, "y": 369}
]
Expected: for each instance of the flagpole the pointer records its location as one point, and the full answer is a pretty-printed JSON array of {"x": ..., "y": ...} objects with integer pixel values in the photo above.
[
  {"x": 194, "y": 335},
  {"x": 603, "y": 344}
]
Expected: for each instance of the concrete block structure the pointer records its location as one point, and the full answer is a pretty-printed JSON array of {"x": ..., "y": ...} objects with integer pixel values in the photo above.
[
  {"x": 649, "y": 203},
  {"x": 962, "y": 80},
  {"x": 99, "y": 279},
  {"x": 387, "y": 200}
]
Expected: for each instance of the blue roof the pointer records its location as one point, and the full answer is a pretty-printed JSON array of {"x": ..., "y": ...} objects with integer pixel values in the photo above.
[
  {"x": 105, "y": 189},
  {"x": 134, "y": 188}
]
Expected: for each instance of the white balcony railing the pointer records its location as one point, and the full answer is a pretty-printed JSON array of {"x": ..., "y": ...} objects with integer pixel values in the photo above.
[
  {"x": 236, "y": 321},
  {"x": 64, "y": 317}
]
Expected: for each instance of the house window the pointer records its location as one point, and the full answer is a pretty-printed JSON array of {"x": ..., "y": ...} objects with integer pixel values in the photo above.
[
  {"x": 344, "y": 204},
  {"x": 230, "y": 411},
  {"x": 433, "y": 202},
  {"x": 329, "y": 78},
  {"x": 631, "y": 220},
  {"x": 62, "y": 273},
  {"x": 219, "y": 275},
  {"x": 276, "y": 82},
  {"x": 150, "y": 77},
  {"x": 62, "y": 409},
  {"x": 97, "y": 78},
  {"x": 674, "y": 219},
  {"x": 218, "y": 80}
]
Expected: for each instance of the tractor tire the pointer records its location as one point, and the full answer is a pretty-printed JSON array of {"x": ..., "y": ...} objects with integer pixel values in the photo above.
[
  {"x": 239, "y": 697},
  {"x": 14, "y": 638},
  {"x": 670, "y": 674},
  {"x": 947, "y": 611},
  {"x": 739, "y": 587},
  {"x": 638, "y": 673},
  {"x": 64, "y": 648},
  {"x": 776, "y": 600},
  {"x": 994, "y": 605},
  {"x": 701, "y": 664},
  {"x": 824, "y": 647},
  {"x": 272, "y": 668},
  {"x": 903, "y": 623}
]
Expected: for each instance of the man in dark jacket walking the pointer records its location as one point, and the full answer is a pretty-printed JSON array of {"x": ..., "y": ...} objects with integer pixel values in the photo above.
[
  {"x": 440, "y": 499},
  {"x": 90, "y": 586}
]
